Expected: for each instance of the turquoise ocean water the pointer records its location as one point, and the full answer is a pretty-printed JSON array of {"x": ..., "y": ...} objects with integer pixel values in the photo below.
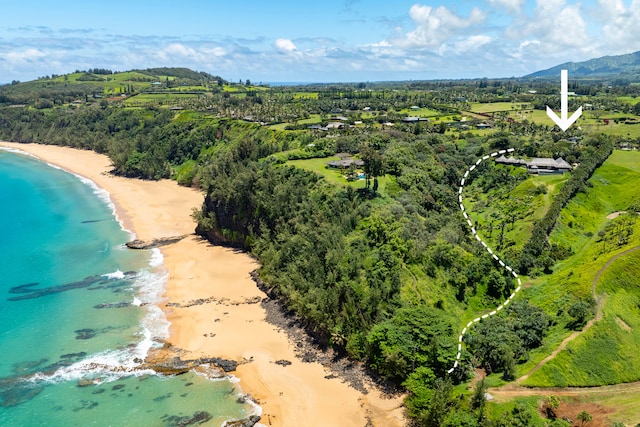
[{"x": 77, "y": 306}]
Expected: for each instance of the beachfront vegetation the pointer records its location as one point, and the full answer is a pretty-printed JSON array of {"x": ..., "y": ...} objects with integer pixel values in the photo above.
[{"x": 376, "y": 261}]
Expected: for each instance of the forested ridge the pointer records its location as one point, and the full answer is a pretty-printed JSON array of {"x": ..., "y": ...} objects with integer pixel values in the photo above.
[{"x": 384, "y": 277}]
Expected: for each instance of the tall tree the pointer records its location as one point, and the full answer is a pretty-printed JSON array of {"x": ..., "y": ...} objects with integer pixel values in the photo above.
[{"x": 373, "y": 165}]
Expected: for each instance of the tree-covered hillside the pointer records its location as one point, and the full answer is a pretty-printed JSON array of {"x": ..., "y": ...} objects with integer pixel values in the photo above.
[
  {"x": 370, "y": 253},
  {"x": 620, "y": 67}
]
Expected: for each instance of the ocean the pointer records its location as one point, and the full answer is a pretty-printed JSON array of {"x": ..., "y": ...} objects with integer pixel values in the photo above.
[{"x": 79, "y": 311}]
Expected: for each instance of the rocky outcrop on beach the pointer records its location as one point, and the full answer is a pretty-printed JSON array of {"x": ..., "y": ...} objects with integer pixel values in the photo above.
[
  {"x": 176, "y": 366},
  {"x": 246, "y": 422},
  {"x": 154, "y": 243},
  {"x": 213, "y": 300}
]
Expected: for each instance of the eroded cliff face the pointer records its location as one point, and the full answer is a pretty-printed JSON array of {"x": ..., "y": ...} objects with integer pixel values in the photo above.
[{"x": 220, "y": 223}]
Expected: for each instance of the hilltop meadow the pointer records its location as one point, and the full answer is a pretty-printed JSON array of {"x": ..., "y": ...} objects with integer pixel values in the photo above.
[{"x": 371, "y": 254}]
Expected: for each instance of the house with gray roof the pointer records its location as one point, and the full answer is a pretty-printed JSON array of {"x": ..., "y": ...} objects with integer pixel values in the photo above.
[
  {"x": 345, "y": 163},
  {"x": 538, "y": 165},
  {"x": 547, "y": 166}
]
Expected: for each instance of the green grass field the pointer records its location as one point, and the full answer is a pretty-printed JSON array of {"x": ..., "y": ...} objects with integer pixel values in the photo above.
[
  {"x": 335, "y": 176},
  {"x": 620, "y": 129},
  {"x": 306, "y": 95},
  {"x": 609, "y": 352},
  {"x": 153, "y": 98},
  {"x": 422, "y": 112},
  {"x": 598, "y": 356},
  {"x": 492, "y": 107},
  {"x": 312, "y": 119}
]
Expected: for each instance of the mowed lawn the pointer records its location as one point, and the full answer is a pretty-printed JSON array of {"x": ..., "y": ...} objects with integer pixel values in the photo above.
[
  {"x": 491, "y": 107},
  {"x": 386, "y": 183}
]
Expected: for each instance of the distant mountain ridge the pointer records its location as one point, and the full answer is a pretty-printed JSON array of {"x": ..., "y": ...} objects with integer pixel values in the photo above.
[{"x": 627, "y": 65}]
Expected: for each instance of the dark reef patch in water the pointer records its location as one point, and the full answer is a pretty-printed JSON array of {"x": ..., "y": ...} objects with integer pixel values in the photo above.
[
  {"x": 85, "y": 334},
  {"x": 27, "y": 366},
  {"x": 122, "y": 304},
  {"x": 86, "y": 404},
  {"x": 13, "y": 394},
  {"x": 163, "y": 397},
  {"x": 199, "y": 417},
  {"x": 90, "y": 282},
  {"x": 76, "y": 356}
]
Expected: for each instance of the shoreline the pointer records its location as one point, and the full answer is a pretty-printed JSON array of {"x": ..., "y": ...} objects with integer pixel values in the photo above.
[{"x": 216, "y": 309}]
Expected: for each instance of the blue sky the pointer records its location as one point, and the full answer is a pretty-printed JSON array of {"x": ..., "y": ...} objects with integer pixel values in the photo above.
[{"x": 329, "y": 41}]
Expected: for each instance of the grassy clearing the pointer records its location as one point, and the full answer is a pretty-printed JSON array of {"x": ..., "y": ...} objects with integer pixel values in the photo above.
[
  {"x": 626, "y": 406},
  {"x": 608, "y": 353},
  {"x": 149, "y": 98},
  {"x": 279, "y": 126},
  {"x": 312, "y": 119},
  {"x": 629, "y": 99},
  {"x": 386, "y": 184},
  {"x": 490, "y": 211},
  {"x": 306, "y": 95},
  {"x": 614, "y": 188},
  {"x": 422, "y": 112},
  {"x": 598, "y": 356},
  {"x": 498, "y": 106},
  {"x": 621, "y": 129}
]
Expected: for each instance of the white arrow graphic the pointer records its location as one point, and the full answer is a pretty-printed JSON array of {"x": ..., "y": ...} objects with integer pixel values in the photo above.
[{"x": 563, "y": 121}]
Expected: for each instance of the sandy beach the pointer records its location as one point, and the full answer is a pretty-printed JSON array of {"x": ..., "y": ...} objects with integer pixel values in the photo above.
[{"x": 231, "y": 322}]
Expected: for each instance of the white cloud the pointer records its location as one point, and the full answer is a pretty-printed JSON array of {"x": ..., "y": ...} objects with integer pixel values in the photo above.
[
  {"x": 555, "y": 29},
  {"x": 499, "y": 38},
  {"x": 620, "y": 31},
  {"x": 285, "y": 45},
  {"x": 197, "y": 55},
  {"x": 21, "y": 57},
  {"x": 509, "y": 6},
  {"x": 472, "y": 43},
  {"x": 435, "y": 26}
]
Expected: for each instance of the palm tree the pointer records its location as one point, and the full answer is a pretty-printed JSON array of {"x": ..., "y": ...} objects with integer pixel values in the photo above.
[{"x": 584, "y": 417}]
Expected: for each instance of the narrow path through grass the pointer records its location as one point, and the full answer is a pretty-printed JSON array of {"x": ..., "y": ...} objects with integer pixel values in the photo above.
[{"x": 600, "y": 299}]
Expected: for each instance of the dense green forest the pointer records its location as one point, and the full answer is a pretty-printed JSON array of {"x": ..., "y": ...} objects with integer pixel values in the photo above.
[{"x": 381, "y": 270}]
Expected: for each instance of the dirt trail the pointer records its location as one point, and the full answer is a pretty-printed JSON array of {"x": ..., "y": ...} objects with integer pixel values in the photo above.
[
  {"x": 600, "y": 299},
  {"x": 564, "y": 342},
  {"x": 509, "y": 391}
]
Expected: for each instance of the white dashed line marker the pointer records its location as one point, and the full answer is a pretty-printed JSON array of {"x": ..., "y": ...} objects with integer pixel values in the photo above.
[{"x": 495, "y": 257}]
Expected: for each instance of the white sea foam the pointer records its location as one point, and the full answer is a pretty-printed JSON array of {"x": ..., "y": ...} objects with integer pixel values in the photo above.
[
  {"x": 98, "y": 191},
  {"x": 103, "y": 195},
  {"x": 149, "y": 286},
  {"x": 156, "y": 258},
  {"x": 112, "y": 365},
  {"x": 115, "y": 275},
  {"x": 17, "y": 151}
]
